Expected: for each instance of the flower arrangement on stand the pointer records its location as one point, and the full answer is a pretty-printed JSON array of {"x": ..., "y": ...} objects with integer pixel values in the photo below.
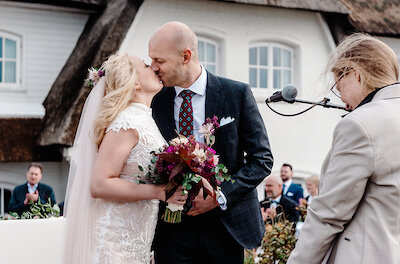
[
  {"x": 302, "y": 208},
  {"x": 37, "y": 210},
  {"x": 187, "y": 162},
  {"x": 278, "y": 242}
]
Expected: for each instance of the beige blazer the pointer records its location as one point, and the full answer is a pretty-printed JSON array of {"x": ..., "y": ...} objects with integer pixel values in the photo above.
[{"x": 358, "y": 209}]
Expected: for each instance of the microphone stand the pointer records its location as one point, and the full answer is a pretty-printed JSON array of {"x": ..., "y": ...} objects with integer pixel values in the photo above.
[{"x": 325, "y": 103}]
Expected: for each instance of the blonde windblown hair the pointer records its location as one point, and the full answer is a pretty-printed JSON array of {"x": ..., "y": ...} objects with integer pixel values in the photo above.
[
  {"x": 119, "y": 89},
  {"x": 376, "y": 63}
]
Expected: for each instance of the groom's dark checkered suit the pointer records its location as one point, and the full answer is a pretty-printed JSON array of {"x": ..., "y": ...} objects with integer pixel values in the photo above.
[{"x": 219, "y": 236}]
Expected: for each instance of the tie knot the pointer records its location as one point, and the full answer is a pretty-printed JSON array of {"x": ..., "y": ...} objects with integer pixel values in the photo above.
[{"x": 186, "y": 94}]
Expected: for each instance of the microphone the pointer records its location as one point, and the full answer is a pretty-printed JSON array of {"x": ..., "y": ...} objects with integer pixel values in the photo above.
[{"x": 288, "y": 94}]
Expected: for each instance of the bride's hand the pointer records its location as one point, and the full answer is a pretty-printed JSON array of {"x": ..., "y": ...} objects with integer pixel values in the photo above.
[{"x": 179, "y": 197}]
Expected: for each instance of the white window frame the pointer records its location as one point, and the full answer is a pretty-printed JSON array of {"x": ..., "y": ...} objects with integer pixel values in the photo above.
[
  {"x": 17, "y": 85},
  {"x": 269, "y": 66},
  {"x": 2, "y": 187},
  {"x": 206, "y": 40}
]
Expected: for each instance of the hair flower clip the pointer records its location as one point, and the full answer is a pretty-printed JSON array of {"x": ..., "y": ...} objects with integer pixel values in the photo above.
[{"x": 94, "y": 76}]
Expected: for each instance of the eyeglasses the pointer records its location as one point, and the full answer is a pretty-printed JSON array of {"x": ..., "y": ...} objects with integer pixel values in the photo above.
[{"x": 334, "y": 90}]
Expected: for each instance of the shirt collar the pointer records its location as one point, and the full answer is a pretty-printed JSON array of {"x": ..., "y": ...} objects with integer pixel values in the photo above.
[
  {"x": 288, "y": 182},
  {"x": 277, "y": 199},
  {"x": 368, "y": 98},
  {"x": 34, "y": 188},
  {"x": 199, "y": 86}
]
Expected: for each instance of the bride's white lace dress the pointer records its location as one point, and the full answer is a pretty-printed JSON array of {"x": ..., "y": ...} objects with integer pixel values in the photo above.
[{"x": 124, "y": 232}]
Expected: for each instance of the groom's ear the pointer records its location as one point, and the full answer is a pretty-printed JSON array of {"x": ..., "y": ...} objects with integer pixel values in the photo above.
[{"x": 187, "y": 56}]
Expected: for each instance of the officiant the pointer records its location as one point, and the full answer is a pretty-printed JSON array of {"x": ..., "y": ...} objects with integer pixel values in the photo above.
[{"x": 355, "y": 218}]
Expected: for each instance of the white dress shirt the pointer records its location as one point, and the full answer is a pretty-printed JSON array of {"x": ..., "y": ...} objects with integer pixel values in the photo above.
[
  {"x": 287, "y": 185},
  {"x": 32, "y": 189},
  {"x": 276, "y": 201},
  {"x": 198, "y": 103},
  {"x": 199, "y": 113}
]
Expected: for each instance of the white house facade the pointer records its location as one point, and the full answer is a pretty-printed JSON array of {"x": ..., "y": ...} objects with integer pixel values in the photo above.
[{"x": 35, "y": 42}]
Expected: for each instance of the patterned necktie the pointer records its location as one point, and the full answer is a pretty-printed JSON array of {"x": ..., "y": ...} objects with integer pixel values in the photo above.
[{"x": 186, "y": 113}]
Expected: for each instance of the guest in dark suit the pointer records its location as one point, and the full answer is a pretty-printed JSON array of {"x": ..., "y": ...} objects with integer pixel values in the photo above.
[
  {"x": 275, "y": 203},
  {"x": 211, "y": 232},
  {"x": 290, "y": 189},
  {"x": 32, "y": 190}
]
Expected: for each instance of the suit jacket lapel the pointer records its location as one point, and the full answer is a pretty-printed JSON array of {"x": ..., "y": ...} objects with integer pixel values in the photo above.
[
  {"x": 214, "y": 97},
  {"x": 167, "y": 120}
]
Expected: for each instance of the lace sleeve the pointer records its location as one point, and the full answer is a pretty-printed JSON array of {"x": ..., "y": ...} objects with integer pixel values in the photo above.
[{"x": 125, "y": 120}]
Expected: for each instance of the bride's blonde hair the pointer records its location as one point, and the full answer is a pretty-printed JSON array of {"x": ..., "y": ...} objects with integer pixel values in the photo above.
[{"x": 121, "y": 79}]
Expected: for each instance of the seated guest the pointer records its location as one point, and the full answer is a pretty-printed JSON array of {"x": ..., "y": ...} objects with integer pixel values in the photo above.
[
  {"x": 290, "y": 189},
  {"x": 32, "y": 190},
  {"x": 276, "y": 203},
  {"x": 312, "y": 183}
]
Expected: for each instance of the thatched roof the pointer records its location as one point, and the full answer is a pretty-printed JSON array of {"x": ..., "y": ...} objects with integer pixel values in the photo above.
[
  {"x": 21, "y": 134},
  {"x": 79, "y": 4},
  {"x": 100, "y": 38},
  {"x": 332, "y": 6},
  {"x": 378, "y": 17}
]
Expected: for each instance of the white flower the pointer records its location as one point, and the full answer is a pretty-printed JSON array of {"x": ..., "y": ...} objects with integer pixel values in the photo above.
[
  {"x": 199, "y": 153},
  {"x": 179, "y": 141},
  {"x": 224, "y": 121},
  {"x": 94, "y": 75},
  {"x": 175, "y": 207},
  {"x": 206, "y": 130},
  {"x": 216, "y": 160}
]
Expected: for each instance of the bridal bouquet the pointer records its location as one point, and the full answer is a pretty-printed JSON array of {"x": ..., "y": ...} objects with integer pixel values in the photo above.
[{"x": 182, "y": 162}]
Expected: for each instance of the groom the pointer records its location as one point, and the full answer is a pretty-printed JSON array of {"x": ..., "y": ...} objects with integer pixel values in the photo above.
[{"x": 211, "y": 233}]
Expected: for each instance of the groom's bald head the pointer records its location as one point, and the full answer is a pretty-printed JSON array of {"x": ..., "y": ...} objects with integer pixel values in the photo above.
[
  {"x": 177, "y": 35},
  {"x": 174, "y": 54}
]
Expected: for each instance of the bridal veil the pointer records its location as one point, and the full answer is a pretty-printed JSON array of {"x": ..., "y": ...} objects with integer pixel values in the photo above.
[{"x": 79, "y": 210}]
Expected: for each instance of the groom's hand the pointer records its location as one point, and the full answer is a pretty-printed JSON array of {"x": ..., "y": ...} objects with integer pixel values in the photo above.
[{"x": 201, "y": 206}]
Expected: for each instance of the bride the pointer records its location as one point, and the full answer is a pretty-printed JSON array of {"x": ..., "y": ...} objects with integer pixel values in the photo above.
[{"x": 110, "y": 217}]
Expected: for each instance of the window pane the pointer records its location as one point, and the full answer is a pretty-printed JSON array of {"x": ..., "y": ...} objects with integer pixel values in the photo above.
[
  {"x": 210, "y": 52},
  {"x": 287, "y": 77},
  {"x": 253, "y": 77},
  {"x": 1, "y": 47},
  {"x": 7, "y": 198},
  {"x": 201, "y": 51},
  {"x": 263, "y": 78},
  {"x": 11, "y": 49},
  {"x": 263, "y": 55},
  {"x": 277, "y": 79},
  {"x": 1, "y": 71},
  {"x": 210, "y": 68},
  {"x": 277, "y": 57},
  {"x": 10, "y": 72},
  {"x": 286, "y": 58},
  {"x": 253, "y": 56}
]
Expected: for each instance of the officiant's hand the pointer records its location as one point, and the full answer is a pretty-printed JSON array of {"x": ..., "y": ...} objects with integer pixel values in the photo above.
[{"x": 201, "y": 206}]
